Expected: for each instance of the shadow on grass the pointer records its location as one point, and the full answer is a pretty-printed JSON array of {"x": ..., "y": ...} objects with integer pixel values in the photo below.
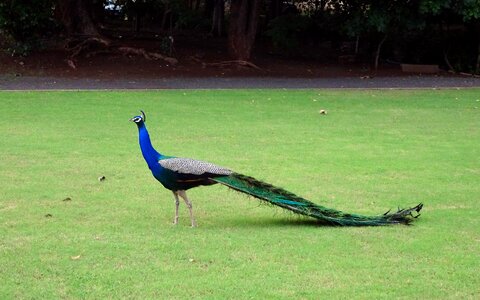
[{"x": 270, "y": 222}]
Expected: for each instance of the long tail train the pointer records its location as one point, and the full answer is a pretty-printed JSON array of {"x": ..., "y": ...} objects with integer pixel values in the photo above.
[{"x": 284, "y": 199}]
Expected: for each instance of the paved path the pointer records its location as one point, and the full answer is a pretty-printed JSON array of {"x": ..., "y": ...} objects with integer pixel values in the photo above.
[{"x": 413, "y": 81}]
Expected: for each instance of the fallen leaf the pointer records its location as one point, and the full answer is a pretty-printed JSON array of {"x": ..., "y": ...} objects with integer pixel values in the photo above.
[{"x": 75, "y": 257}]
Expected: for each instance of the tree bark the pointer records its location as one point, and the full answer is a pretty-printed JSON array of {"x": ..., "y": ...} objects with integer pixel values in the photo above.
[
  {"x": 477, "y": 66},
  {"x": 76, "y": 18},
  {"x": 274, "y": 9},
  {"x": 379, "y": 48},
  {"x": 208, "y": 8},
  {"x": 477, "y": 30},
  {"x": 218, "y": 18},
  {"x": 242, "y": 28}
]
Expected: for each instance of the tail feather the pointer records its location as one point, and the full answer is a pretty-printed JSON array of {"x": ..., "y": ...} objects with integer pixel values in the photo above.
[{"x": 287, "y": 200}]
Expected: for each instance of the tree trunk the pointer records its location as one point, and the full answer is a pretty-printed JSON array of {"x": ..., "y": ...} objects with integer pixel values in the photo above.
[
  {"x": 167, "y": 16},
  {"x": 137, "y": 21},
  {"x": 242, "y": 28},
  {"x": 477, "y": 67},
  {"x": 274, "y": 9},
  {"x": 379, "y": 48},
  {"x": 357, "y": 44},
  {"x": 477, "y": 30},
  {"x": 218, "y": 18},
  {"x": 197, "y": 5},
  {"x": 208, "y": 8},
  {"x": 76, "y": 18}
]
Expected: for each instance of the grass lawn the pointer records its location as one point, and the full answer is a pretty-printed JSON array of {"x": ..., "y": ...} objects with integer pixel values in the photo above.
[{"x": 374, "y": 150}]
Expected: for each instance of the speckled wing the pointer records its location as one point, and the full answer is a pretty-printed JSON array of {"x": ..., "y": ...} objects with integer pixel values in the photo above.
[{"x": 192, "y": 166}]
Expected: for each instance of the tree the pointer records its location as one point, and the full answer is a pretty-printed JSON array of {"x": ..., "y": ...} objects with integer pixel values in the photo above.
[
  {"x": 242, "y": 27},
  {"x": 460, "y": 12},
  {"x": 381, "y": 20},
  {"x": 218, "y": 18},
  {"x": 76, "y": 18}
]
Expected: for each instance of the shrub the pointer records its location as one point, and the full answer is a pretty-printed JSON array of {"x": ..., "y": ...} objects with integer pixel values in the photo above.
[
  {"x": 287, "y": 32},
  {"x": 26, "y": 22}
]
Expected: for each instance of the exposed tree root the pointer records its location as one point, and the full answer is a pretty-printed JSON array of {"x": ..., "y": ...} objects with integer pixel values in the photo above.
[
  {"x": 469, "y": 74},
  {"x": 146, "y": 55},
  {"x": 79, "y": 46},
  {"x": 230, "y": 63},
  {"x": 92, "y": 46},
  {"x": 71, "y": 64}
]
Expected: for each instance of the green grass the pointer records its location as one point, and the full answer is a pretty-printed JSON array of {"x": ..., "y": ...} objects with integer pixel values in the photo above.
[{"x": 375, "y": 149}]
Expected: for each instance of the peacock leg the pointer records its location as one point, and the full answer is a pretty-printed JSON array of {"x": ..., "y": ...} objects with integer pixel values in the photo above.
[
  {"x": 183, "y": 194},
  {"x": 177, "y": 203}
]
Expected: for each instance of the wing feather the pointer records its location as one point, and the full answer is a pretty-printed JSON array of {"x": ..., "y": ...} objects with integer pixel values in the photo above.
[{"x": 192, "y": 166}]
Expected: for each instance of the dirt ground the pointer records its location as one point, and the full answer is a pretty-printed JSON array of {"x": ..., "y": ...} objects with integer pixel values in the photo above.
[
  {"x": 194, "y": 54},
  {"x": 55, "y": 64},
  {"x": 196, "y": 69}
]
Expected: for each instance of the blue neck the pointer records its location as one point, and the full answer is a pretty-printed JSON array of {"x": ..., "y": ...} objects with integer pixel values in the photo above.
[{"x": 149, "y": 153}]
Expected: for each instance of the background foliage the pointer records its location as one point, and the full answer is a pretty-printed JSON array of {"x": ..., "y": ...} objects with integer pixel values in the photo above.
[
  {"x": 445, "y": 32},
  {"x": 26, "y": 22}
]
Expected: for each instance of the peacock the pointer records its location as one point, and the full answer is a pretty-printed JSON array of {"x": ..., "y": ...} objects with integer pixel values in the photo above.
[{"x": 180, "y": 174}]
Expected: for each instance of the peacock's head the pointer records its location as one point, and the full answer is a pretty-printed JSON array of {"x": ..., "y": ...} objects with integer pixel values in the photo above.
[{"x": 139, "y": 119}]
